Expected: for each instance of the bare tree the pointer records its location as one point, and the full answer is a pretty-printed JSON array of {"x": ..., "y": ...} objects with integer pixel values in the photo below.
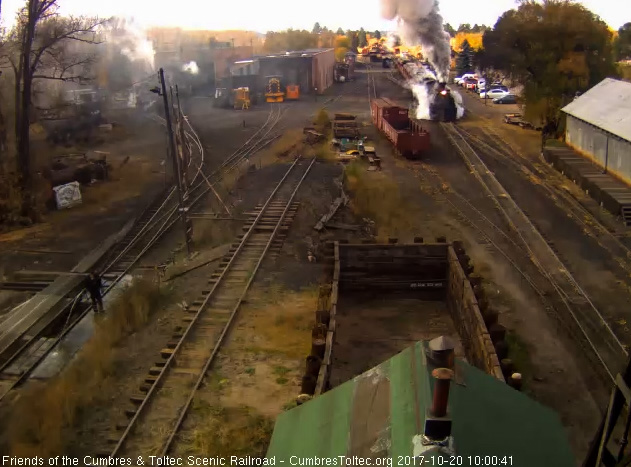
[{"x": 39, "y": 50}]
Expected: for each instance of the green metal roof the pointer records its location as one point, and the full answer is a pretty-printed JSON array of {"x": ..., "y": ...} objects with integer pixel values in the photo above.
[{"x": 379, "y": 414}]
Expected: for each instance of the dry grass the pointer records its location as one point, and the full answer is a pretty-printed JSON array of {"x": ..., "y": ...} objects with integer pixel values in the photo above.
[
  {"x": 625, "y": 71},
  {"x": 210, "y": 234},
  {"x": 322, "y": 120},
  {"x": 322, "y": 151},
  {"x": 376, "y": 195},
  {"x": 260, "y": 365},
  {"x": 231, "y": 432},
  {"x": 45, "y": 410},
  {"x": 291, "y": 142},
  {"x": 281, "y": 322}
]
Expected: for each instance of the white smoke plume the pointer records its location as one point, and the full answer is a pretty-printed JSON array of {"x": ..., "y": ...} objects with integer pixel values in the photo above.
[
  {"x": 191, "y": 68},
  {"x": 421, "y": 93},
  {"x": 420, "y": 23},
  {"x": 459, "y": 104},
  {"x": 132, "y": 41},
  {"x": 392, "y": 41}
]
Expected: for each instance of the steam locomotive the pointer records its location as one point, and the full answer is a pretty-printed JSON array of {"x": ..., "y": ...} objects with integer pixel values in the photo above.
[{"x": 442, "y": 107}]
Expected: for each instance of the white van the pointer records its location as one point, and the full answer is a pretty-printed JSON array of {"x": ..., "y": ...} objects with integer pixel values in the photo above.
[{"x": 465, "y": 76}]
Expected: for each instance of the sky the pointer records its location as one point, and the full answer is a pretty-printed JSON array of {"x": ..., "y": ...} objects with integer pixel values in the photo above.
[{"x": 262, "y": 15}]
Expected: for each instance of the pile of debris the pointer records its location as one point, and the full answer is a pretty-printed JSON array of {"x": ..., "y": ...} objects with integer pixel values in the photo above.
[
  {"x": 312, "y": 136},
  {"x": 82, "y": 168}
]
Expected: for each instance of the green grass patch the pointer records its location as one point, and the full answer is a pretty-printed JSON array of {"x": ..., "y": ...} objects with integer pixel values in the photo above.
[
  {"x": 519, "y": 354},
  {"x": 281, "y": 370}
]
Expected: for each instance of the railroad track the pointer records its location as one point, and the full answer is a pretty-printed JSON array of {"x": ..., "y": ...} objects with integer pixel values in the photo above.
[
  {"x": 152, "y": 224},
  {"x": 589, "y": 323},
  {"x": 500, "y": 149},
  {"x": 161, "y": 407},
  {"x": 372, "y": 86}
]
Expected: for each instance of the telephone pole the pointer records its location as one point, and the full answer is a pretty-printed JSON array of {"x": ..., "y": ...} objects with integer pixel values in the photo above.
[{"x": 175, "y": 159}]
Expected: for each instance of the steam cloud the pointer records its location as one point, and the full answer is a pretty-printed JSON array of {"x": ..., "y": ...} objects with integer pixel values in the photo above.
[
  {"x": 191, "y": 68},
  {"x": 420, "y": 23},
  {"x": 132, "y": 41}
]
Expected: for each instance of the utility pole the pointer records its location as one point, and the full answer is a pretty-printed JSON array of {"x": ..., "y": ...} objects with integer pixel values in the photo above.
[
  {"x": 184, "y": 154},
  {"x": 174, "y": 159}
]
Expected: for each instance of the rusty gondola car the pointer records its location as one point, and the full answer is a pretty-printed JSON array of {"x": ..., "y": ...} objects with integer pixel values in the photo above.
[{"x": 408, "y": 137}]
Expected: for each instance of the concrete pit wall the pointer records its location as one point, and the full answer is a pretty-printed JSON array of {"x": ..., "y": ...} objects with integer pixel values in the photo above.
[
  {"x": 437, "y": 271},
  {"x": 467, "y": 316}
]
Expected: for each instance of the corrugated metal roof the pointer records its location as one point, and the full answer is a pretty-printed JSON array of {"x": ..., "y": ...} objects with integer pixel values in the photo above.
[
  {"x": 297, "y": 53},
  {"x": 379, "y": 414},
  {"x": 607, "y": 105}
]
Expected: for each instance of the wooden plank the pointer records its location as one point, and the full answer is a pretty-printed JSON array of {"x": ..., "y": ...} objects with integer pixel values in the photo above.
[
  {"x": 322, "y": 378},
  {"x": 328, "y": 348},
  {"x": 332, "y": 210},
  {"x": 43, "y": 251},
  {"x": 44, "y": 306},
  {"x": 340, "y": 226}
]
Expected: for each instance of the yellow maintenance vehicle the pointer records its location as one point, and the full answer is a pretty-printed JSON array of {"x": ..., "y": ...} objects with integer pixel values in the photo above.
[
  {"x": 274, "y": 90},
  {"x": 241, "y": 98}
]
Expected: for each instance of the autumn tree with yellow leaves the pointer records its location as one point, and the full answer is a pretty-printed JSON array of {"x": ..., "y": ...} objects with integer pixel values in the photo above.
[{"x": 474, "y": 39}]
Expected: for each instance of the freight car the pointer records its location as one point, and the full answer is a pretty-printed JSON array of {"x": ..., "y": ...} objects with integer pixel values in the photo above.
[{"x": 409, "y": 139}]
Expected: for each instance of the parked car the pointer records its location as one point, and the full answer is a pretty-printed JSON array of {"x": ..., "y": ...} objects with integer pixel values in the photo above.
[
  {"x": 506, "y": 99},
  {"x": 470, "y": 83},
  {"x": 494, "y": 93},
  {"x": 518, "y": 119}
]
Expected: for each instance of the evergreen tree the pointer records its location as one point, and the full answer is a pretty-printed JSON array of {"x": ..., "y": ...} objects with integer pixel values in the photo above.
[
  {"x": 362, "y": 39},
  {"x": 464, "y": 60}
]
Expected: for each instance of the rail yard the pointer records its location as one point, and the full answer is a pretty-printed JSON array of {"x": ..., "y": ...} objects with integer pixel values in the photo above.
[{"x": 329, "y": 236}]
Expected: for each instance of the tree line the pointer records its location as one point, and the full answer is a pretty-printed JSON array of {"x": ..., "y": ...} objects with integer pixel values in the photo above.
[
  {"x": 556, "y": 49},
  {"x": 319, "y": 36}
]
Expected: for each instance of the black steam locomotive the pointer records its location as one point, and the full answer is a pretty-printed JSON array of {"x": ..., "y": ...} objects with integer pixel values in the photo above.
[{"x": 442, "y": 107}]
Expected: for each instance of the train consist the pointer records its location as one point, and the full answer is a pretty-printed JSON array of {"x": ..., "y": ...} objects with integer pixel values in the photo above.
[
  {"x": 408, "y": 137},
  {"x": 442, "y": 105}
]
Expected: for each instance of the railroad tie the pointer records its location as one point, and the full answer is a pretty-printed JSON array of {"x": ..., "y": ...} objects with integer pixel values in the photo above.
[
  {"x": 121, "y": 426},
  {"x": 137, "y": 399},
  {"x": 166, "y": 353},
  {"x": 150, "y": 379}
]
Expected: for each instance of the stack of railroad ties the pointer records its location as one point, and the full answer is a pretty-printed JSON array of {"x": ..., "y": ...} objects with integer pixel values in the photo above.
[{"x": 408, "y": 137}]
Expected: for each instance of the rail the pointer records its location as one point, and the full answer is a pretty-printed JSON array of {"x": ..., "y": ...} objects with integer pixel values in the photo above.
[
  {"x": 188, "y": 336},
  {"x": 157, "y": 220},
  {"x": 605, "y": 345}
]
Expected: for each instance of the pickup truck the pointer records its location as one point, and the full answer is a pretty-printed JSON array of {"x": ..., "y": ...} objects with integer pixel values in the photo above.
[{"x": 517, "y": 119}]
